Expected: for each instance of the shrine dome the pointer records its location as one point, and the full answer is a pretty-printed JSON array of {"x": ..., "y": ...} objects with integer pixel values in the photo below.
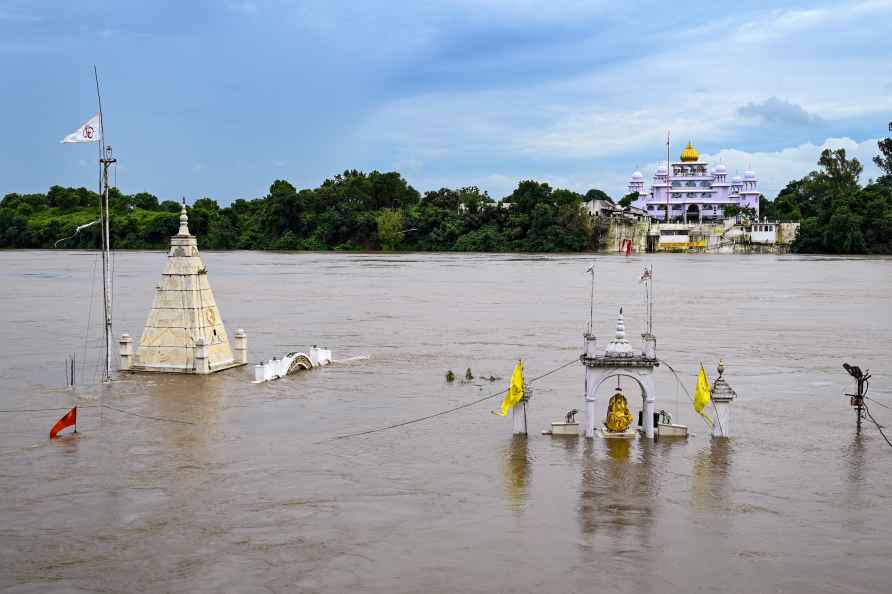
[{"x": 690, "y": 154}]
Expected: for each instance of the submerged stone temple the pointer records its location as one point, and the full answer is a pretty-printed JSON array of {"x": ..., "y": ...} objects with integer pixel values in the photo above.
[{"x": 184, "y": 332}]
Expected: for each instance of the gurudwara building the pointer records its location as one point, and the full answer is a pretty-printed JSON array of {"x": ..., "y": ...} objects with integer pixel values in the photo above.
[{"x": 694, "y": 192}]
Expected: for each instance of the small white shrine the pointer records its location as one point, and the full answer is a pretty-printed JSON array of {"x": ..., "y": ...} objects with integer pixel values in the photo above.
[
  {"x": 620, "y": 359},
  {"x": 184, "y": 332},
  {"x": 722, "y": 397},
  {"x": 276, "y": 368}
]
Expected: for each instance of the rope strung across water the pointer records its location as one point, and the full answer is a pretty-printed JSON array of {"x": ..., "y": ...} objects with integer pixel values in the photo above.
[
  {"x": 150, "y": 417},
  {"x": 691, "y": 398},
  {"x": 877, "y": 402},
  {"x": 874, "y": 421},
  {"x": 452, "y": 410},
  {"x": 120, "y": 410}
]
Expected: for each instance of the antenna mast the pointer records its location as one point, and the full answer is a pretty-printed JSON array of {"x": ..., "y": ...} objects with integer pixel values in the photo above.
[
  {"x": 105, "y": 159},
  {"x": 591, "y": 303},
  {"x": 668, "y": 177}
]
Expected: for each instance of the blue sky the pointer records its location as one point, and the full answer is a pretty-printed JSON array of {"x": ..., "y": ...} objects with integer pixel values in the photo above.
[{"x": 221, "y": 98}]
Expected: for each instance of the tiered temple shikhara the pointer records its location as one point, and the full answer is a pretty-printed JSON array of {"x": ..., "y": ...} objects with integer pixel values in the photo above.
[{"x": 184, "y": 332}]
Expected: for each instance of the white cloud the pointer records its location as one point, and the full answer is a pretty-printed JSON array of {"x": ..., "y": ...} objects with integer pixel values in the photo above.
[
  {"x": 777, "y": 168},
  {"x": 780, "y": 23}
]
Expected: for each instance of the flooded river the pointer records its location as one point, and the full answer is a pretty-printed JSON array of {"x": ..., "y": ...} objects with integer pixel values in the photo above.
[{"x": 225, "y": 486}]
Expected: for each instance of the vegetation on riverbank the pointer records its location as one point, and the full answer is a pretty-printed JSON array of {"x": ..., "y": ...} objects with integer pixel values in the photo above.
[
  {"x": 352, "y": 211},
  {"x": 838, "y": 215},
  {"x": 371, "y": 211}
]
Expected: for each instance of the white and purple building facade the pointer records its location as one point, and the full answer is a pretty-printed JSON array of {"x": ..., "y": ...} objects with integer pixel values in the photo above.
[{"x": 694, "y": 192}]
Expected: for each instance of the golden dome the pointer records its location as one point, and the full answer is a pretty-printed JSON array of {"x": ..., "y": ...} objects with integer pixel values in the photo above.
[{"x": 690, "y": 154}]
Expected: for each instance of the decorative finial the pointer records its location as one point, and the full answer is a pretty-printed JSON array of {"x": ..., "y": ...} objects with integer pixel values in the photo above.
[
  {"x": 619, "y": 346},
  {"x": 184, "y": 220},
  {"x": 721, "y": 367}
]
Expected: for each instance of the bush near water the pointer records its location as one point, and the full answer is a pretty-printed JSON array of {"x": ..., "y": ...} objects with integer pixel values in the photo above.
[{"x": 381, "y": 211}]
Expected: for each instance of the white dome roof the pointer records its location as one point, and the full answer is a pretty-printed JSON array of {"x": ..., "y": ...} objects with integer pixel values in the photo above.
[
  {"x": 749, "y": 174},
  {"x": 721, "y": 169},
  {"x": 662, "y": 170},
  {"x": 737, "y": 178},
  {"x": 637, "y": 175}
]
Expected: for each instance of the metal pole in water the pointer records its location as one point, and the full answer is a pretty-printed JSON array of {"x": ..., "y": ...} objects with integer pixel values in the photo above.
[{"x": 857, "y": 400}]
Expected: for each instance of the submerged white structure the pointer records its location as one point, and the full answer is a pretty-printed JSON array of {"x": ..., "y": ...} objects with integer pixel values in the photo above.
[
  {"x": 184, "y": 332},
  {"x": 620, "y": 359},
  {"x": 722, "y": 397},
  {"x": 291, "y": 363}
]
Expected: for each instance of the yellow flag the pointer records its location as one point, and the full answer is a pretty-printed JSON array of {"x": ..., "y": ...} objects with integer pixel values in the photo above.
[
  {"x": 515, "y": 390},
  {"x": 701, "y": 393}
]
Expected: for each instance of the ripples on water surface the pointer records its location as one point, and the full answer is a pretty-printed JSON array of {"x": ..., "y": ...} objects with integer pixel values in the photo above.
[{"x": 255, "y": 495}]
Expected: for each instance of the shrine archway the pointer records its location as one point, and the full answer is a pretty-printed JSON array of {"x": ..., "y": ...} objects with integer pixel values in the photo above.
[{"x": 642, "y": 376}]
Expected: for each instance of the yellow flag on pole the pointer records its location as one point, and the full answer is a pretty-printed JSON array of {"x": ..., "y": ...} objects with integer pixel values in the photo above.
[
  {"x": 515, "y": 390},
  {"x": 701, "y": 393}
]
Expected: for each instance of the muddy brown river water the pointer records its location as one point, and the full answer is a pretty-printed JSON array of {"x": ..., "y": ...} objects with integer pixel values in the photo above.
[{"x": 254, "y": 495}]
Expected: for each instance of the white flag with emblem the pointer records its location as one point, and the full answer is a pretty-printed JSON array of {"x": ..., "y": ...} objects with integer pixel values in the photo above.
[{"x": 89, "y": 131}]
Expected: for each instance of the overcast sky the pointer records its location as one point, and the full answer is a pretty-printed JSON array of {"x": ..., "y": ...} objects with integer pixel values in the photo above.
[{"x": 221, "y": 98}]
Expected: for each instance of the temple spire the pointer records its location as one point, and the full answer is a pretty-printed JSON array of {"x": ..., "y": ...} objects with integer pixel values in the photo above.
[
  {"x": 619, "y": 346},
  {"x": 184, "y": 222}
]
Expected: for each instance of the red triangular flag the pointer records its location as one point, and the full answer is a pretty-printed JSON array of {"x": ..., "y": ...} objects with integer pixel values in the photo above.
[{"x": 68, "y": 420}]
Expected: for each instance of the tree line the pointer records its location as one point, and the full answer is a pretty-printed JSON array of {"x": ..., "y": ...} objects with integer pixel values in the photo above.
[
  {"x": 838, "y": 215},
  {"x": 381, "y": 211},
  {"x": 351, "y": 211}
]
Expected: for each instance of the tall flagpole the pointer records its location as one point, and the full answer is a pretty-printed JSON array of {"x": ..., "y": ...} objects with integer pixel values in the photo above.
[
  {"x": 105, "y": 159},
  {"x": 668, "y": 178}
]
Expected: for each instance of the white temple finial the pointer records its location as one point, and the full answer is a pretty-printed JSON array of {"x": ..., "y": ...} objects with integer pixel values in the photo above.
[
  {"x": 184, "y": 221},
  {"x": 619, "y": 346}
]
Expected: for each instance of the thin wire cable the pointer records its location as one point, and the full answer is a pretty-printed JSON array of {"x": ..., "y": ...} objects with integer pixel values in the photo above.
[
  {"x": 878, "y": 403},
  {"x": 32, "y": 410},
  {"x": 114, "y": 408},
  {"x": 879, "y": 427},
  {"x": 153, "y": 418},
  {"x": 678, "y": 379},
  {"x": 451, "y": 410}
]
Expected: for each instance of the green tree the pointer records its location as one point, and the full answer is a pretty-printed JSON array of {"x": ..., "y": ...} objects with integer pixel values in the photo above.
[
  {"x": 884, "y": 159},
  {"x": 390, "y": 228},
  {"x": 628, "y": 199},
  {"x": 596, "y": 194}
]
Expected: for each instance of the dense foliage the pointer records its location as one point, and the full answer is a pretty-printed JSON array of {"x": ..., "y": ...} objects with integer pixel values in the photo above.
[
  {"x": 359, "y": 211},
  {"x": 838, "y": 215},
  {"x": 352, "y": 211}
]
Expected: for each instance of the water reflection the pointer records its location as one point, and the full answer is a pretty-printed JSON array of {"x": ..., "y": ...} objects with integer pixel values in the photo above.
[
  {"x": 710, "y": 487},
  {"x": 854, "y": 458},
  {"x": 516, "y": 471},
  {"x": 854, "y": 461},
  {"x": 569, "y": 444},
  {"x": 617, "y": 495},
  {"x": 618, "y": 450}
]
